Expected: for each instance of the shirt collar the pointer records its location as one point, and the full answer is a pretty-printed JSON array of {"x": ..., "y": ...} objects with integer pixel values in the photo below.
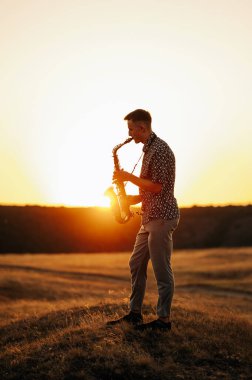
[{"x": 149, "y": 141}]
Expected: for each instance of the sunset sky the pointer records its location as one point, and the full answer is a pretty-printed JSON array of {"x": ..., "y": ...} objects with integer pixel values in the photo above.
[{"x": 70, "y": 70}]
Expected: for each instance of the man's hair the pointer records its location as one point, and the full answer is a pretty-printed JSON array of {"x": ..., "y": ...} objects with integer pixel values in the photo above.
[{"x": 139, "y": 115}]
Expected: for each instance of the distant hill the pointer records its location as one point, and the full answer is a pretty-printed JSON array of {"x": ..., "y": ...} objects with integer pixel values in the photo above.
[{"x": 39, "y": 229}]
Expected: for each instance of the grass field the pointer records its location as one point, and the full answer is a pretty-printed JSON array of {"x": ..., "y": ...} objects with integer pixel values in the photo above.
[{"x": 53, "y": 310}]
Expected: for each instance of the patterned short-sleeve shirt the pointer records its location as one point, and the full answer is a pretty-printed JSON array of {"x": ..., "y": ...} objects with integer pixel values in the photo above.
[{"x": 159, "y": 167}]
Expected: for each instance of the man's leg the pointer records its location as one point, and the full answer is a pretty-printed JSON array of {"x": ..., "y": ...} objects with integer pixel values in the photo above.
[
  {"x": 160, "y": 248},
  {"x": 138, "y": 267}
]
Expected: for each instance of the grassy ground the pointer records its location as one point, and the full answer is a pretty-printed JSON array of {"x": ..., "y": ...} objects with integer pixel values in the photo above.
[{"x": 53, "y": 310}]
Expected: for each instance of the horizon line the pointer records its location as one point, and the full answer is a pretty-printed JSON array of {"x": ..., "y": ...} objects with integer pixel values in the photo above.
[{"x": 56, "y": 205}]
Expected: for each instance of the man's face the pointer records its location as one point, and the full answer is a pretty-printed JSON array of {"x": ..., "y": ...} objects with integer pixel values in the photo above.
[{"x": 135, "y": 130}]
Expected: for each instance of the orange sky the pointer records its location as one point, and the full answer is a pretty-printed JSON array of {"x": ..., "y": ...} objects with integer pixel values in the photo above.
[{"x": 71, "y": 70}]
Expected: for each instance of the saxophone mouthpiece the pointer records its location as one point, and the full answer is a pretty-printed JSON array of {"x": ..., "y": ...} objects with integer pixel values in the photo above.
[{"x": 128, "y": 140}]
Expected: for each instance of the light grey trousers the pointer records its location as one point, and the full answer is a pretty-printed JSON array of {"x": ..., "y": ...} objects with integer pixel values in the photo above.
[{"x": 153, "y": 241}]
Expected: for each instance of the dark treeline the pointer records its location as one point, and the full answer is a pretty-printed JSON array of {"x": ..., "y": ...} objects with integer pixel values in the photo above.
[{"x": 59, "y": 229}]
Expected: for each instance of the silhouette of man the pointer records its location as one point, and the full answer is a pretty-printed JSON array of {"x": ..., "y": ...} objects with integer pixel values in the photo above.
[{"x": 160, "y": 217}]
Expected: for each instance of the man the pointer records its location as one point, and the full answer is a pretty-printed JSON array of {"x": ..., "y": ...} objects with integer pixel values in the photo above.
[{"x": 160, "y": 217}]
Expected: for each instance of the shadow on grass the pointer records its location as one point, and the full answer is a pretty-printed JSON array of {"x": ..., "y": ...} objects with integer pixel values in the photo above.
[
  {"x": 77, "y": 344},
  {"x": 31, "y": 329}
]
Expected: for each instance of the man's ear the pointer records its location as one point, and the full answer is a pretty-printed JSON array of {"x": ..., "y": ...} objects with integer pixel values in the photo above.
[{"x": 142, "y": 126}]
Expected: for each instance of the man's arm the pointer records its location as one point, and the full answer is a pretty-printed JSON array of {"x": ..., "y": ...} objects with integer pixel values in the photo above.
[
  {"x": 145, "y": 184},
  {"x": 133, "y": 199}
]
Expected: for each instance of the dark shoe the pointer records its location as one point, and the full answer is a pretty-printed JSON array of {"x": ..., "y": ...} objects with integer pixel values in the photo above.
[
  {"x": 154, "y": 325},
  {"x": 132, "y": 318}
]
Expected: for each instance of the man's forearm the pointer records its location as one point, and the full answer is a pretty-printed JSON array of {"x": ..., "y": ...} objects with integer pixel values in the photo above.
[
  {"x": 134, "y": 199},
  {"x": 145, "y": 184}
]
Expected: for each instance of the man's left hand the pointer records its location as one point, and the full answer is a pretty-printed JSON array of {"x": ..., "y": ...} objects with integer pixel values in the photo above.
[{"x": 121, "y": 176}]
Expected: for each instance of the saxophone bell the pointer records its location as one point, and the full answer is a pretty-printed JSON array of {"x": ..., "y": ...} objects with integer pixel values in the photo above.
[
  {"x": 118, "y": 206},
  {"x": 118, "y": 203}
]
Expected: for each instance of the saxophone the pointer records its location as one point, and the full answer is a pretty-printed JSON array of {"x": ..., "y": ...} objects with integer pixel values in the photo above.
[{"x": 119, "y": 207}]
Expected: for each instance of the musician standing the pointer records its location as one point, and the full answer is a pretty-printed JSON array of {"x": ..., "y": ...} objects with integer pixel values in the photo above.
[{"x": 160, "y": 217}]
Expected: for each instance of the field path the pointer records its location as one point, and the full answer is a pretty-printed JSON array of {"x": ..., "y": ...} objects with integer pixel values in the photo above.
[{"x": 215, "y": 290}]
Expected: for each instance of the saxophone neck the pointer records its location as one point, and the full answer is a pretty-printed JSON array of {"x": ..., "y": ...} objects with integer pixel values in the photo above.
[
  {"x": 128, "y": 140},
  {"x": 114, "y": 152}
]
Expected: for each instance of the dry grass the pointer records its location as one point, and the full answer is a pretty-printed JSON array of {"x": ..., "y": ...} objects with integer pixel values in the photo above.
[{"x": 54, "y": 308}]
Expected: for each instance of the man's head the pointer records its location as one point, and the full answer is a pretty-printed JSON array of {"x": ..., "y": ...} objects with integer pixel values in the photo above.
[{"x": 139, "y": 125}]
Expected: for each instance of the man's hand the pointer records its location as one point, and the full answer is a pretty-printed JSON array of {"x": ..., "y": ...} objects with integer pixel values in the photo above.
[
  {"x": 144, "y": 183},
  {"x": 121, "y": 176}
]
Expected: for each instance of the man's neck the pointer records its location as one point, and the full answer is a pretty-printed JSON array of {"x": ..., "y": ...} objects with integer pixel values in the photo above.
[{"x": 146, "y": 137}]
